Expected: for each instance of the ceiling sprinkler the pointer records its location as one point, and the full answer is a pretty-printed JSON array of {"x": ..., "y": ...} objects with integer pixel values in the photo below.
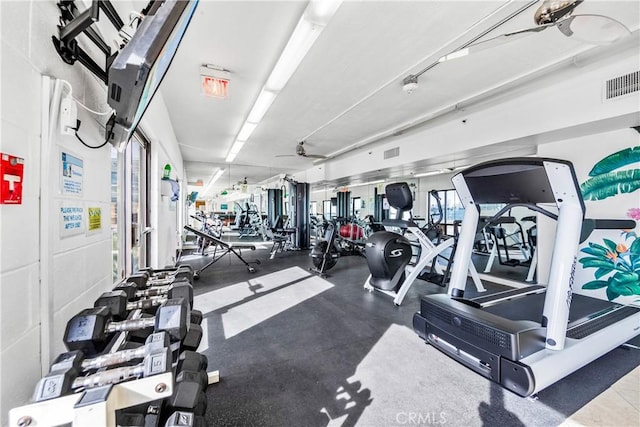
[{"x": 410, "y": 83}]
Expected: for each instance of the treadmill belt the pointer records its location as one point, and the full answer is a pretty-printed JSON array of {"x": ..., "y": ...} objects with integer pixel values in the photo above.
[{"x": 531, "y": 307}]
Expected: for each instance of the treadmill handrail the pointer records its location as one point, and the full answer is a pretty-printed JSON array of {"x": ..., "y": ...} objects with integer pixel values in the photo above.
[{"x": 531, "y": 206}]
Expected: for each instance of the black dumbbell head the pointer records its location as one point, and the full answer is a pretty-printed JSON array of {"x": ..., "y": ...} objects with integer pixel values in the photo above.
[
  {"x": 173, "y": 318},
  {"x": 128, "y": 288},
  {"x": 70, "y": 359},
  {"x": 196, "y": 316},
  {"x": 115, "y": 301},
  {"x": 181, "y": 289},
  {"x": 193, "y": 337},
  {"x": 192, "y": 361},
  {"x": 185, "y": 419},
  {"x": 86, "y": 330}
]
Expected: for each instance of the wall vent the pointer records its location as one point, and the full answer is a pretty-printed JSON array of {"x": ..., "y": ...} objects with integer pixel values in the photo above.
[
  {"x": 393, "y": 152},
  {"x": 622, "y": 85}
]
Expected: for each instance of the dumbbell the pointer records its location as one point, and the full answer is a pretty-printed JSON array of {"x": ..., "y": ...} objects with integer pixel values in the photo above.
[
  {"x": 119, "y": 303},
  {"x": 90, "y": 329},
  {"x": 76, "y": 358},
  {"x": 192, "y": 361},
  {"x": 65, "y": 381},
  {"x": 135, "y": 290},
  {"x": 188, "y": 393},
  {"x": 144, "y": 279},
  {"x": 185, "y": 419},
  {"x": 180, "y": 289},
  {"x": 184, "y": 270}
]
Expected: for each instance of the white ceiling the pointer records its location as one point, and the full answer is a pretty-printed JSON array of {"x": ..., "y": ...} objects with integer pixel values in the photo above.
[{"x": 349, "y": 86}]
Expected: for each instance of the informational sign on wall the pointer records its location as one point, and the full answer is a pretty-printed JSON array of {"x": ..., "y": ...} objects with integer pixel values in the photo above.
[
  {"x": 94, "y": 219},
  {"x": 71, "y": 218},
  {"x": 11, "y": 174},
  {"x": 72, "y": 174}
]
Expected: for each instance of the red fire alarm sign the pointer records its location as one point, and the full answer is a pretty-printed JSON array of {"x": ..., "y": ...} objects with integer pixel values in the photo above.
[{"x": 11, "y": 172}]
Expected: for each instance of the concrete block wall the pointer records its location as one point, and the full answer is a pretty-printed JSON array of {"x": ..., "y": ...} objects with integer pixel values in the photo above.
[{"x": 35, "y": 303}]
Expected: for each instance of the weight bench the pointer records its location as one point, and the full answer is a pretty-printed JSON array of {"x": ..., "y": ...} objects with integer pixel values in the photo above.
[{"x": 235, "y": 248}]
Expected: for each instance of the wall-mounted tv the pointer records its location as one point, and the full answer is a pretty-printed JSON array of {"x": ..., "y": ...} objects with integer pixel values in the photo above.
[{"x": 138, "y": 69}]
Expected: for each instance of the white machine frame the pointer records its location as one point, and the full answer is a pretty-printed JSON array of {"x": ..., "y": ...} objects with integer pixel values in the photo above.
[
  {"x": 428, "y": 252},
  {"x": 561, "y": 355}
]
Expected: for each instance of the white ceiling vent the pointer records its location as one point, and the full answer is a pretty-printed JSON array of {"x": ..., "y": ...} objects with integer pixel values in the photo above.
[
  {"x": 393, "y": 152},
  {"x": 621, "y": 85}
]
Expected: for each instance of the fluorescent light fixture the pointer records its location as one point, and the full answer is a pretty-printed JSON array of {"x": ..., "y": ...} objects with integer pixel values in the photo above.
[
  {"x": 235, "y": 149},
  {"x": 246, "y": 131},
  {"x": 420, "y": 175},
  {"x": 441, "y": 171},
  {"x": 455, "y": 55},
  {"x": 213, "y": 180},
  {"x": 303, "y": 37},
  {"x": 264, "y": 101},
  {"x": 321, "y": 11},
  {"x": 365, "y": 183},
  {"x": 314, "y": 19}
]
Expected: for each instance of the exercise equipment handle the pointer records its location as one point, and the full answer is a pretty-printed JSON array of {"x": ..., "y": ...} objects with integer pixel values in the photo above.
[
  {"x": 114, "y": 358},
  {"x": 112, "y": 376},
  {"x": 131, "y": 325}
]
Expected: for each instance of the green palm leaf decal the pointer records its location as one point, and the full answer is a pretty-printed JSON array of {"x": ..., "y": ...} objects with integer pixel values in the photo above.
[
  {"x": 616, "y": 160},
  {"x": 611, "y": 183},
  {"x": 595, "y": 284}
]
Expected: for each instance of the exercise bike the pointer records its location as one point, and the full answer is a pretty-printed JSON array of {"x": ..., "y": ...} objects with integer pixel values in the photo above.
[
  {"x": 389, "y": 254},
  {"x": 337, "y": 242}
]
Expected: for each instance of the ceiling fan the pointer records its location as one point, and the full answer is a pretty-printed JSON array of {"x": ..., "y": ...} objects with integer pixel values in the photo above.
[
  {"x": 301, "y": 152},
  {"x": 588, "y": 28}
]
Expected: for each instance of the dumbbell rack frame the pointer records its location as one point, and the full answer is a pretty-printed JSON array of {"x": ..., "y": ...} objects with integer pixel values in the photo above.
[{"x": 95, "y": 406}]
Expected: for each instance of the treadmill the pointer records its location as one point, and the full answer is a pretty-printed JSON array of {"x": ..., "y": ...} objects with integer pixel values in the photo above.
[{"x": 528, "y": 338}]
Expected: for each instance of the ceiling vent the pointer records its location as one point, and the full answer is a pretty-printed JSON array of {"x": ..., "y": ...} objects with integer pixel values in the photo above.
[
  {"x": 621, "y": 85},
  {"x": 394, "y": 152}
]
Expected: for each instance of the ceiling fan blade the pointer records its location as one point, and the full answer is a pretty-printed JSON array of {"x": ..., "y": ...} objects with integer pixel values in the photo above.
[
  {"x": 286, "y": 155},
  {"x": 593, "y": 29},
  {"x": 494, "y": 42},
  {"x": 314, "y": 156}
]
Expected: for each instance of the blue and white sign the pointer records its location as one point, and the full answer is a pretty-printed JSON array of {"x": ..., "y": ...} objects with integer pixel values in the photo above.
[{"x": 72, "y": 174}]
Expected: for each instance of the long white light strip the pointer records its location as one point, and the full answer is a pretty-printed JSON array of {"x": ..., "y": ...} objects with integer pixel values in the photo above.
[
  {"x": 214, "y": 178},
  {"x": 303, "y": 37},
  {"x": 264, "y": 101},
  {"x": 246, "y": 131},
  {"x": 361, "y": 184},
  {"x": 235, "y": 149},
  {"x": 314, "y": 19}
]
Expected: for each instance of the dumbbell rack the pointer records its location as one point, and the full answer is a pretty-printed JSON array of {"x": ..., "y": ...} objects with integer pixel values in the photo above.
[{"x": 97, "y": 406}]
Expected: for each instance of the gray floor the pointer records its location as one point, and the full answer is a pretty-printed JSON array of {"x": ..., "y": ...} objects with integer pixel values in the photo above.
[{"x": 337, "y": 355}]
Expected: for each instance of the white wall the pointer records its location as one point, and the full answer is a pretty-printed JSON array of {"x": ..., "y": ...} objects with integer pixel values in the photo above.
[
  {"x": 77, "y": 267},
  {"x": 45, "y": 278}
]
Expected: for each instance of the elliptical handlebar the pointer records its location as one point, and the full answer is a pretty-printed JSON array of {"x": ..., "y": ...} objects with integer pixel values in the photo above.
[{"x": 435, "y": 195}]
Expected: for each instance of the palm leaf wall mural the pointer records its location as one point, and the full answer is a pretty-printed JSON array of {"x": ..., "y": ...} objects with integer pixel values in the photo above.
[
  {"x": 604, "y": 182},
  {"x": 616, "y": 160},
  {"x": 616, "y": 264}
]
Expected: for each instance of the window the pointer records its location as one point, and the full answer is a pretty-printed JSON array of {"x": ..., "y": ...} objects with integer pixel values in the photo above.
[
  {"x": 451, "y": 206},
  {"x": 357, "y": 204},
  {"x": 330, "y": 208},
  {"x": 116, "y": 195},
  {"x": 129, "y": 207}
]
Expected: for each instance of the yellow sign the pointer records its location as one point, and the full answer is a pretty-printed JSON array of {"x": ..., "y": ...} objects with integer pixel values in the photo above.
[{"x": 95, "y": 219}]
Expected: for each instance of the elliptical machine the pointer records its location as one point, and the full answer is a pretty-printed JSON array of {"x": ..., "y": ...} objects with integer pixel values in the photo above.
[{"x": 389, "y": 254}]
